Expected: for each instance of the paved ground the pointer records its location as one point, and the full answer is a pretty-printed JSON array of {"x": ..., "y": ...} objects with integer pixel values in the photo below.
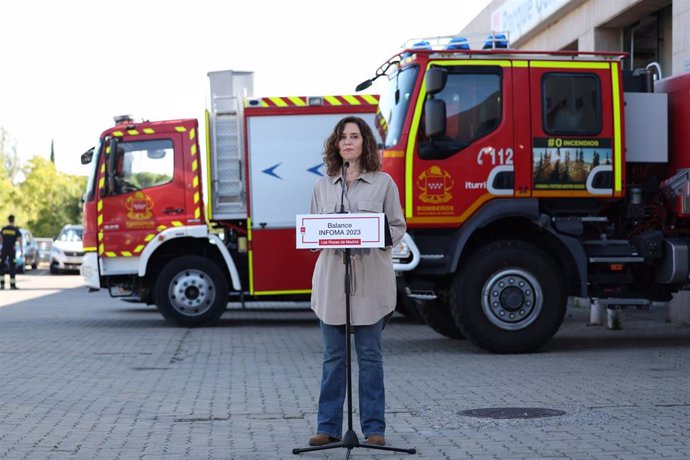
[{"x": 83, "y": 376}]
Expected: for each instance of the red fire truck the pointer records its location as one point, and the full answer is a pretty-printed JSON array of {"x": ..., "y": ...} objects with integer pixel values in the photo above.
[
  {"x": 146, "y": 235},
  {"x": 529, "y": 177}
]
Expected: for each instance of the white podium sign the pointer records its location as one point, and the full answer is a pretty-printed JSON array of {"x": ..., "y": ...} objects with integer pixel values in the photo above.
[{"x": 361, "y": 230}]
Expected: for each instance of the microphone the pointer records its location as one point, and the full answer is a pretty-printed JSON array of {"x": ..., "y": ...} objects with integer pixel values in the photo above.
[{"x": 346, "y": 165}]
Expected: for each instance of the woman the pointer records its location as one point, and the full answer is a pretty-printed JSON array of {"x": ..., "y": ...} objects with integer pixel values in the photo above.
[{"x": 372, "y": 290}]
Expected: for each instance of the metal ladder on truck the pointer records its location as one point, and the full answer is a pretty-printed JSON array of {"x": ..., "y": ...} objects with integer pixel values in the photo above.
[{"x": 228, "y": 198}]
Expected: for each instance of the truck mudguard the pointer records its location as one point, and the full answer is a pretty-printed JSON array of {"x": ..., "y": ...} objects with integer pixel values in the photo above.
[
  {"x": 506, "y": 208},
  {"x": 195, "y": 231}
]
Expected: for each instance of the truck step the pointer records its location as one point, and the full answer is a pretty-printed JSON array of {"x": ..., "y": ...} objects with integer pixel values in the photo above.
[{"x": 422, "y": 295}]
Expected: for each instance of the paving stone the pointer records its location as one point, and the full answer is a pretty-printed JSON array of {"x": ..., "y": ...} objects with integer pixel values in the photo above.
[{"x": 83, "y": 376}]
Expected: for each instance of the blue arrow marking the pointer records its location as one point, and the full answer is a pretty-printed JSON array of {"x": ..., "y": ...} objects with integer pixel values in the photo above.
[
  {"x": 316, "y": 169},
  {"x": 270, "y": 171}
]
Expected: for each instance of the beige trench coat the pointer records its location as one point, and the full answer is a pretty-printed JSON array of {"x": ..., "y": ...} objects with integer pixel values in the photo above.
[{"x": 373, "y": 291}]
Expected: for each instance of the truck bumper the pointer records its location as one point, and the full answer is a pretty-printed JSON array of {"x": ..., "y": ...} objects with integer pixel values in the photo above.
[{"x": 89, "y": 270}]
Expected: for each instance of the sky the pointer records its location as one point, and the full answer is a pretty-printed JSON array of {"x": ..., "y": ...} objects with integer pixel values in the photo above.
[{"x": 68, "y": 66}]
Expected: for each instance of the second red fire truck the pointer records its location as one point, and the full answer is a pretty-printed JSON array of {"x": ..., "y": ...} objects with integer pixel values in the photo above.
[{"x": 146, "y": 235}]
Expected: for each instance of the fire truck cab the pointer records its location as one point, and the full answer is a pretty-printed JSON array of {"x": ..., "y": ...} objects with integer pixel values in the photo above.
[{"x": 530, "y": 177}]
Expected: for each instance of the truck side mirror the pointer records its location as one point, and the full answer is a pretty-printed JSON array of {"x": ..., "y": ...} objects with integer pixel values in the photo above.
[
  {"x": 87, "y": 156},
  {"x": 435, "y": 118},
  {"x": 435, "y": 79}
]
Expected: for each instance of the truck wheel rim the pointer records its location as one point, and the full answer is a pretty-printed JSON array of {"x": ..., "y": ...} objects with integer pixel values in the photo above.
[
  {"x": 191, "y": 293},
  {"x": 512, "y": 299}
]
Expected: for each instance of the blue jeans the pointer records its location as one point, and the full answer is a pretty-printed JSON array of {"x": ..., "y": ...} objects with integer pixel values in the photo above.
[{"x": 372, "y": 398}]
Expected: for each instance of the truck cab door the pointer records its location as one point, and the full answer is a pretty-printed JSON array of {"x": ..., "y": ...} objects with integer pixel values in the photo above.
[
  {"x": 471, "y": 159},
  {"x": 576, "y": 126},
  {"x": 143, "y": 192}
]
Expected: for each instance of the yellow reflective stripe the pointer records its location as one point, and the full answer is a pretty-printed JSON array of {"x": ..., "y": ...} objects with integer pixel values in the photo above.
[
  {"x": 149, "y": 237},
  {"x": 370, "y": 99},
  {"x": 617, "y": 150},
  {"x": 207, "y": 121},
  {"x": 103, "y": 166},
  {"x": 110, "y": 254},
  {"x": 180, "y": 129},
  {"x": 132, "y": 132},
  {"x": 89, "y": 249},
  {"x": 250, "y": 256},
  {"x": 352, "y": 100},
  {"x": 298, "y": 101},
  {"x": 160, "y": 228},
  {"x": 569, "y": 65},
  {"x": 296, "y": 291},
  {"x": 416, "y": 116},
  {"x": 149, "y": 131},
  {"x": 139, "y": 248},
  {"x": 278, "y": 101},
  {"x": 126, "y": 254},
  {"x": 197, "y": 213},
  {"x": 195, "y": 181},
  {"x": 99, "y": 205},
  {"x": 193, "y": 149},
  {"x": 101, "y": 182},
  {"x": 117, "y": 134},
  {"x": 332, "y": 100},
  {"x": 195, "y": 164},
  {"x": 192, "y": 134},
  {"x": 520, "y": 64},
  {"x": 100, "y": 219},
  {"x": 196, "y": 197},
  {"x": 176, "y": 223},
  {"x": 100, "y": 249}
]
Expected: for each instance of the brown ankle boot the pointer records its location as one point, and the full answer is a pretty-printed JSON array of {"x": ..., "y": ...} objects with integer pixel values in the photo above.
[
  {"x": 322, "y": 440},
  {"x": 376, "y": 439}
]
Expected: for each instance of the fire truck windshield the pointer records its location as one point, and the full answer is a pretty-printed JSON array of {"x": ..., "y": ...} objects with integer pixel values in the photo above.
[{"x": 393, "y": 105}]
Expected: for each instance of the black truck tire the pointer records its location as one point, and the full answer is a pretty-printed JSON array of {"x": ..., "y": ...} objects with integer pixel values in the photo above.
[
  {"x": 437, "y": 315},
  {"x": 191, "y": 291},
  {"x": 509, "y": 297}
]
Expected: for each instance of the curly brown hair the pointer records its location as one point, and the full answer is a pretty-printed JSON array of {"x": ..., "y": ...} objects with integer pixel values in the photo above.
[{"x": 369, "y": 161}]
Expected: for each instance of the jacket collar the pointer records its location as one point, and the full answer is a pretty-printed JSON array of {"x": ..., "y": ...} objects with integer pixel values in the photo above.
[{"x": 365, "y": 176}]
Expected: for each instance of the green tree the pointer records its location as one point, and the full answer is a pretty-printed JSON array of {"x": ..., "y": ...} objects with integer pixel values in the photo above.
[
  {"x": 49, "y": 198},
  {"x": 7, "y": 196}
]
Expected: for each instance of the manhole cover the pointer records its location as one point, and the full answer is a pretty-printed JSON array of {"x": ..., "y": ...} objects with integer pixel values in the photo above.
[{"x": 511, "y": 412}]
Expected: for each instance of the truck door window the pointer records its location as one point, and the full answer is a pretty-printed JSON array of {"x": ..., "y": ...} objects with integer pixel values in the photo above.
[
  {"x": 473, "y": 108},
  {"x": 571, "y": 104},
  {"x": 143, "y": 164}
]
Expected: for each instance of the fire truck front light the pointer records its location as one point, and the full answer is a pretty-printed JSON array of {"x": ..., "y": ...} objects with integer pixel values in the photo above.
[{"x": 315, "y": 100}]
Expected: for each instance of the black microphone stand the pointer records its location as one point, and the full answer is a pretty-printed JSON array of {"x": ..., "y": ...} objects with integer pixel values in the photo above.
[{"x": 350, "y": 440}]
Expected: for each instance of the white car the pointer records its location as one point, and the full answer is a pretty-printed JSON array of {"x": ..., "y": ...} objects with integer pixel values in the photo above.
[{"x": 67, "y": 252}]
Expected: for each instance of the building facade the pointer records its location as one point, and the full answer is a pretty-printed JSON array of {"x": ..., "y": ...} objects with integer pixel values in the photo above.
[{"x": 651, "y": 32}]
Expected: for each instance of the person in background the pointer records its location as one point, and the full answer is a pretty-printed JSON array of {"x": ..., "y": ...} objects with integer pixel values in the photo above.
[
  {"x": 362, "y": 187},
  {"x": 10, "y": 235}
]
